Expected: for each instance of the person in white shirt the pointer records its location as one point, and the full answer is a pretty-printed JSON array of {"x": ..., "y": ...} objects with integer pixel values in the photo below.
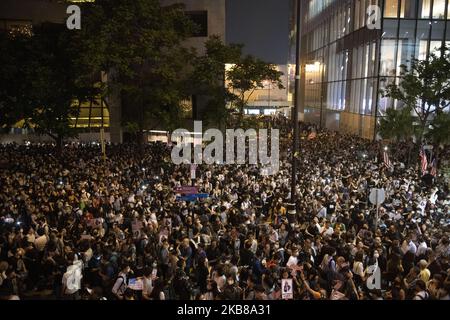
[
  {"x": 273, "y": 234},
  {"x": 147, "y": 284},
  {"x": 421, "y": 291},
  {"x": 412, "y": 247},
  {"x": 71, "y": 280},
  {"x": 421, "y": 250},
  {"x": 322, "y": 213},
  {"x": 121, "y": 283},
  {"x": 293, "y": 260},
  {"x": 326, "y": 230}
]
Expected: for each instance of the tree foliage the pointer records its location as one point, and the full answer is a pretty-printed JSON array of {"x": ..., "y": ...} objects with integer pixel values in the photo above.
[
  {"x": 248, "y": 75},
  {"x": 439, "y": 132},
  {"x": 397, "y": 124},
  {"x": 424, "y": 87},
  {"x": 48, "y": 83},
  {"x": 208, "y": 78},
  {"x": 141, "y": 41},
  {"x": 15, "y": 57}
]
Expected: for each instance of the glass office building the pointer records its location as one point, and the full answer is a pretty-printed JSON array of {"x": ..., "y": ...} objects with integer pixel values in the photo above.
[{"x": 345, "y": 64}]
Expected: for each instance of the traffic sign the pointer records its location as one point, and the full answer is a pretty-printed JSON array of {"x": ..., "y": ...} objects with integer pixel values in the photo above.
[
  {"x": 193, "y": 171},
  {"x": 377, "y": 196}
]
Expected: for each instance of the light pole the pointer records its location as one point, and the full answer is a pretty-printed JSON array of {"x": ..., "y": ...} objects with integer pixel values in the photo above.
[{"x": 296, "y": 105}]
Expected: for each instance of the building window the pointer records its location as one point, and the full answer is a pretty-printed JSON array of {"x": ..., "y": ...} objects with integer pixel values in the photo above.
[
  {"x": 390, "y": 28},
  {"x": 200, "y": 19},
  {"x": 408, "y": 9},
  {"x": 439, "y": 9},
  {"x": 424, "y": 9},
  {"x": 391, "y": 8},
  {"x": 388, "y": 57}
]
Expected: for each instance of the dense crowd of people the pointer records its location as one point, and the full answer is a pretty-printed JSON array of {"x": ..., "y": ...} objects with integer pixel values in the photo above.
[{"x": 75, "y": 226}]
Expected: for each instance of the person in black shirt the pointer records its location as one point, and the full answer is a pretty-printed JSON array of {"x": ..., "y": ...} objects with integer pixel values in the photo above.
[
  {"x": 213, "y": 253},
  {"x": 246, "y": 256},
  {"x": 202, "y": 274}
]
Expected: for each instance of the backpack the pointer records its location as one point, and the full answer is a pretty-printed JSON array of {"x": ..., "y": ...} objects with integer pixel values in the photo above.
[
  {"x": 124, "y": 283},
  {"x": 426, "y": 297},
  {"x": 74, "y": 276}
]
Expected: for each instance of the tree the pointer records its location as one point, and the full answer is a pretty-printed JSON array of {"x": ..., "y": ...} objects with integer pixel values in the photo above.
[
  {"x": 48, "y": 84},
  {"x": 439, "y": 135},
  {"x": 439, "y": 132},
  {"x": 60, "y": 84},
  {"x": 424, "y": 87},
  {"x": 208, "y": 78},
  {"x": 138, "y": 43},
  {"x": 248, "y": 75},
  {"x": 15, "y": 57},
  {"x": 397, "y": 124}
]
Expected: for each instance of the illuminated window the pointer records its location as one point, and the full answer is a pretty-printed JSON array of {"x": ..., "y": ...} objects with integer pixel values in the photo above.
[
  {"x": 388, "y": 57},
  {"x": 408, "y": 9},
  {"x": 93, "y": 114},
  {"x": 424, "y": 8},
  {"x": 439, "y": 9},
  {"x": 391, "y": 8}
]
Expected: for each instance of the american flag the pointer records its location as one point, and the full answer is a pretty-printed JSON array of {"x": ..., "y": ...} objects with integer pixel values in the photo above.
[
  {"x": 386, "y": 160},
  {"x": 423, "y": 160},
  {"x": 434, "y": 168}
]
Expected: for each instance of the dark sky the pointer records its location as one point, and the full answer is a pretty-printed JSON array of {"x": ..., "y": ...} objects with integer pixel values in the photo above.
[{"x": 261, "y": 25}]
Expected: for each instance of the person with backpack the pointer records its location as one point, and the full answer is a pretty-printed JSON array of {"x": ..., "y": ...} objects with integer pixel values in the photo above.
[
  {"x": 121, "y": 284},
  {"x": 71, "y": 280},
  {"x": 421, "y": 291}
]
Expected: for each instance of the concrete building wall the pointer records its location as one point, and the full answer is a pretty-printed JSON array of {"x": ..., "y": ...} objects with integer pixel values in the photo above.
[{"x": 216, "y": 19}]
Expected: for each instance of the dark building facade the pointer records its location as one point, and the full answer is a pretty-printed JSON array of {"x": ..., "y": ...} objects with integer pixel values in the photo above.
[{"x": 346, "y": 63}]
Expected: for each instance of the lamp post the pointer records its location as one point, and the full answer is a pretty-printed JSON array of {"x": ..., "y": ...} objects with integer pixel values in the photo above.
[{"x": 296, "y": 106}]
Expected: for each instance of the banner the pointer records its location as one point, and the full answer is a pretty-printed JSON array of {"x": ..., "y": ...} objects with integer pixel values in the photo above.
[
  {"x": 136, "y": 228},
  {"x": 186, "y": 190},
  {"x": 193, "y": 197},
  {"x": 287, "y": 289},
  {"x": 136, "y": 284}
]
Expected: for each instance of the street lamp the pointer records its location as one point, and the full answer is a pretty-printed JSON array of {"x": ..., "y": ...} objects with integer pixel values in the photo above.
[{"x": 296, "y": 102}]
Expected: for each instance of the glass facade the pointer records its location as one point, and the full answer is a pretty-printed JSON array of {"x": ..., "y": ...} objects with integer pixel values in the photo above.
[
  {"x": 345, "y": 64},
  {"x": 94, "y": 114}
]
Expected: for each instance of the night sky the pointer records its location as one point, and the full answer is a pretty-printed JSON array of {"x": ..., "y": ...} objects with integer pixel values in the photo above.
[{"x": 261, "y": 25}]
